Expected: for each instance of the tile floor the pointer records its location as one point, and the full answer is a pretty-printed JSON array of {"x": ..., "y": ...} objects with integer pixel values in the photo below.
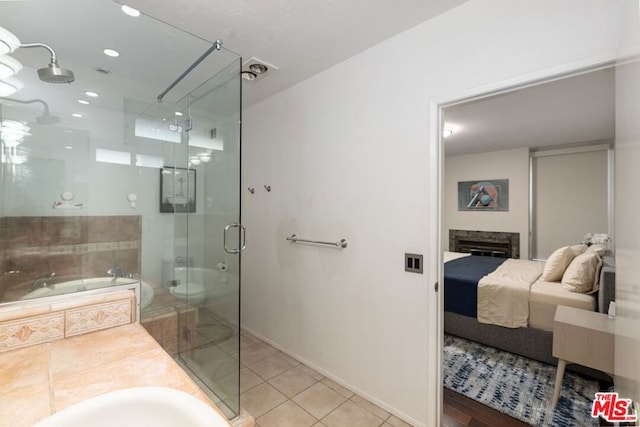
[{"x": 279, "y": 391}]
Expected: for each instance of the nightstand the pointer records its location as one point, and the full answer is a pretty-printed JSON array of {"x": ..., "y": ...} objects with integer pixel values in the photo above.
[{"x": 583, "y": 337}]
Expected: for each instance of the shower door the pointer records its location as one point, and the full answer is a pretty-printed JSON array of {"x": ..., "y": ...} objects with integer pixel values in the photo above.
[{"x": 208, "y": 237}]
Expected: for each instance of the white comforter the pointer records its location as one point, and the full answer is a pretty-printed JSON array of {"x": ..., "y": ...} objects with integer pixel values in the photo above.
[{"x": 503, "y": 295}]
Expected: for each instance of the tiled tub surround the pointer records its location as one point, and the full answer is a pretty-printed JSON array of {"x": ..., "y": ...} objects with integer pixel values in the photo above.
[
  {"x": 51, "y": 319},
  {"x": 82, "y": 351},
  {"x": 70, "y": 246}
]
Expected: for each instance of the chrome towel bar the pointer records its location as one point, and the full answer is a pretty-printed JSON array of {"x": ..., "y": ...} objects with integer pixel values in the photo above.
[{"x": 341, "y": 244}]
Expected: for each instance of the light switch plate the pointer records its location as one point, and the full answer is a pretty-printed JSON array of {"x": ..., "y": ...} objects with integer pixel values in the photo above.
[{"x": 413, "y": 263}]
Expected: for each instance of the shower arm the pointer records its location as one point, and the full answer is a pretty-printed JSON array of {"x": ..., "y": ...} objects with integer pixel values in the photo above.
[
  {"x": 54, "y": 57},
  {"x": 45, "y": 112},
  {"x": 216, "y": 46}
]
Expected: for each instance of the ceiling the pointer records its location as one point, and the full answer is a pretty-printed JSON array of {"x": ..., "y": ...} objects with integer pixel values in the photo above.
[
  {"x": 573, "y": 110},
  {"x": 300, "y": 37}
]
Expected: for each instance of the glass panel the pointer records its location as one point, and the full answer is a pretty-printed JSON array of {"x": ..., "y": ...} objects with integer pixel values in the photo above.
[
  {"x": 117, "y": 185},
  {"x": 211, "y": 347}
]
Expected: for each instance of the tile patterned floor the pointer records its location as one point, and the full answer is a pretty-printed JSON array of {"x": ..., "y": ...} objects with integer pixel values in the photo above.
[{"x": 279, "y": 391}]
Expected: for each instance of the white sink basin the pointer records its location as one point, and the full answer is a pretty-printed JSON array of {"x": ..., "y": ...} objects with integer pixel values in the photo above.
[
  {"x": 139, "y": 406},
  {"x": 146, "y": 291}
]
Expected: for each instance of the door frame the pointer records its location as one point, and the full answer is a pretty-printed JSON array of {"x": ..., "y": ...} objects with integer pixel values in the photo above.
[{"x": 436, "y": 181}]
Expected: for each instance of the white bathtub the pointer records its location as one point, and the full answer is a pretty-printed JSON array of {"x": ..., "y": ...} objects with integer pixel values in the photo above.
[
  {"x": 138, "y": 406},
  {"x": 146, "y": 291}
]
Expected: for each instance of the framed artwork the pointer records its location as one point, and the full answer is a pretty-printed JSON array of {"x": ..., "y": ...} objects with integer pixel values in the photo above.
[
  {"x": 486, "y": 195},
  {"x": 177, "y": 189}
]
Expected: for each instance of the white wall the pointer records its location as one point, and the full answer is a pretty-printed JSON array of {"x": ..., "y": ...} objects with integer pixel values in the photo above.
[
  {"x": 347, "y": 154},
  {"x": 570, "y": 194},
  {"x": 504, "y": 164}
]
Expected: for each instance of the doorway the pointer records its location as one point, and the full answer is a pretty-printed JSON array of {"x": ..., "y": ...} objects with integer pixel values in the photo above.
[{"x": 496, "y": 117}]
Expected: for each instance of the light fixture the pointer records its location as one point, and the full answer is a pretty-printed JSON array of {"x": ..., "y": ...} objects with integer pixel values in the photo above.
[
  {"x": 178, "y": 113},
  {"x": 68, "y": 147},
  {"x": 8, "y": 42},
  {"x": 111, "y": 52},
  {"x": 9, "y": 86},
  {"x": 92, "y": 94},
  {"x": 130, "y": 11},
  {"x": 249, "y": 75},
  {"x": 194, "y": 161},
  {"x": 9, "y": 66},
  {"x": 78, "y": 115},
  {"x": 447, "y": 132},
  {"x": 83, "y": 102},
  {"x": 205, "y": 157},
  {"x": 258, "y": 68}
]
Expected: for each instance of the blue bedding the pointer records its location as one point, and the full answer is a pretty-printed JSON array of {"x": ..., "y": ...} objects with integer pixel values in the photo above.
[{"x": 461, "y": 277}]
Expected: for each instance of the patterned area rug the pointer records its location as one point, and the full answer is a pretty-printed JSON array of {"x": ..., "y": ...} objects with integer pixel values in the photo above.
[{"x": 519, "y": 387}]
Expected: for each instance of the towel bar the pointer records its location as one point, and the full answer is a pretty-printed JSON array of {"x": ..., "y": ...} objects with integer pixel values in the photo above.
[{"x": 340, "y": 244}]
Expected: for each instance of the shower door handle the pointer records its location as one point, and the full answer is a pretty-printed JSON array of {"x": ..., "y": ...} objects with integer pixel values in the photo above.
[{"x": 243, "y": 232}]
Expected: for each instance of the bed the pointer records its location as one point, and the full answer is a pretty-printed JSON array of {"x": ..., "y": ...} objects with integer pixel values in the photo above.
[{"x": 464, "y": 317}]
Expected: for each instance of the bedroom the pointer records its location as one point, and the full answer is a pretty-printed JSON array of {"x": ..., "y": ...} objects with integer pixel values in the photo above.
[{"x": 545, "y": 154}]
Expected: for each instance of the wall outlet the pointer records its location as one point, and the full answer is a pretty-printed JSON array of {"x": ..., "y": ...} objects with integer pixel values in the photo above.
[{"x": 413, "y": 263}]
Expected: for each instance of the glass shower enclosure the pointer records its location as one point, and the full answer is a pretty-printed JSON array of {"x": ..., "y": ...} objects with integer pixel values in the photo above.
[{"x": 100, "y": 177}]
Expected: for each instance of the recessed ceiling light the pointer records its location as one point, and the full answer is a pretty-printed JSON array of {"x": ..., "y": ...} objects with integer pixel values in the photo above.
[
  {"x": 111, "y": 52},
  {"x": 83, "y": 102},
  {"x": 258, "y": 68},
  {"x": 178, "y": 113},
  {"x": 68, "y": 147},
  {"x": 76, "y": 115},
  {"x": 248, "y": 75},
  {"x": 92, "y": 94},
  {"x": 130, "y": 11}
]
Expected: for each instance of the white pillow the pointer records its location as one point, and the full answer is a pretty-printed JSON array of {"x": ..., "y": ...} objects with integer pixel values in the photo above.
[
  {"x": 596, "y": 248},
  {"x": 557, "y": 263},
  {"x": 582, "y": 274},
  {"x": 580, "y": 249}
]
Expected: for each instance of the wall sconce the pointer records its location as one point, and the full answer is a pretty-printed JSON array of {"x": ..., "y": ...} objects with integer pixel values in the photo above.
[
  {"x": 132, "y": 197},
  {"x": 8, "y": 41}
]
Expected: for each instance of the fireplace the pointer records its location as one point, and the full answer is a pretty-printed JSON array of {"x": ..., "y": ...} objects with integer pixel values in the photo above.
[{"x": 486, "y": 243}]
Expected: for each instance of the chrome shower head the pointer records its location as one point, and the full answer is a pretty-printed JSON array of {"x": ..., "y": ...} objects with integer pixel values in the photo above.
[
  {"x": 53, "y": 73},
  {"x": 47, "y": 119}
]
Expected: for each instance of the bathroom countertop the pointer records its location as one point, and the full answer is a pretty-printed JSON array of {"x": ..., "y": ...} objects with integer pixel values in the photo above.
[{"x": 40, "y": 380}]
